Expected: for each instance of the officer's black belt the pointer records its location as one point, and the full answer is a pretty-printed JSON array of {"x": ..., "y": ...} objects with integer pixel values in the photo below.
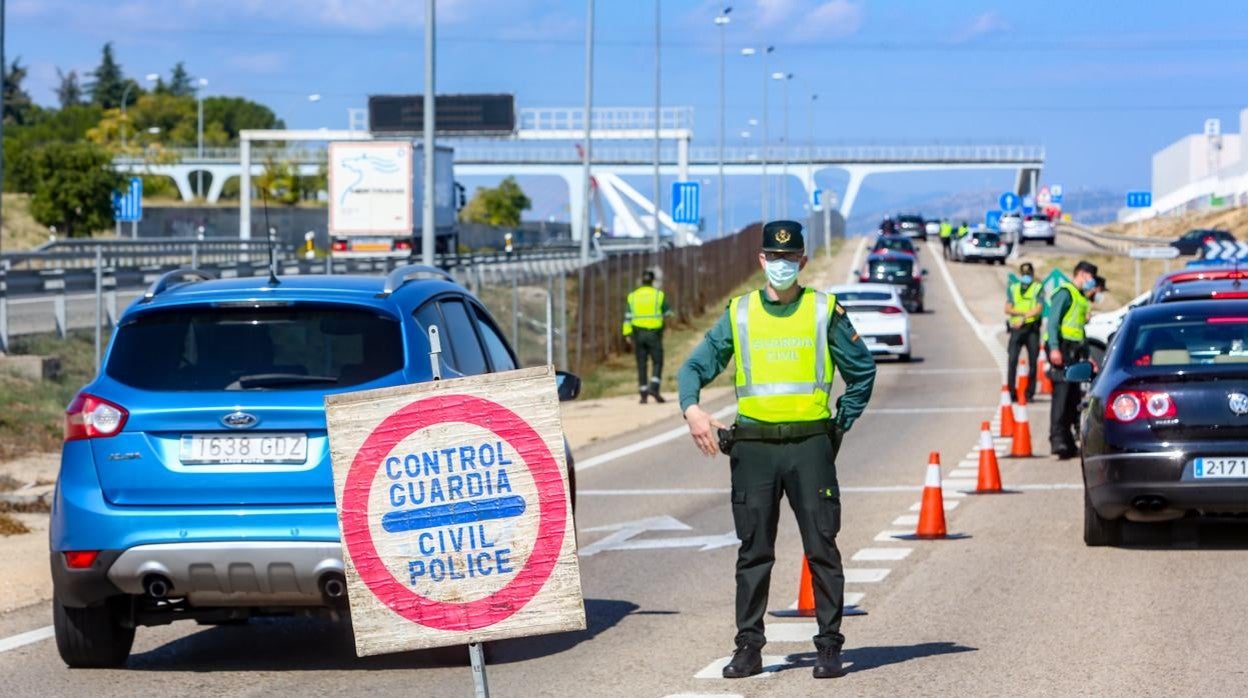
[{"x": 780, "y": 432}]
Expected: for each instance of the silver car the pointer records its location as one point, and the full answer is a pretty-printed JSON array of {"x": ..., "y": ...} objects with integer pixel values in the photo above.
[{"x": 1036, "y": 226}]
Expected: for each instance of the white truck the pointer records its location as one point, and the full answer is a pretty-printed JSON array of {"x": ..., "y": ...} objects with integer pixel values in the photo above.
[{"x": 376, "y": 191}]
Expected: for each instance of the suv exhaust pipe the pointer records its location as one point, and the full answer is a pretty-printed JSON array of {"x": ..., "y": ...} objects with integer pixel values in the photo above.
[
  {"x": 157, "y": 586},
  {"x": 333, "y": 587}
]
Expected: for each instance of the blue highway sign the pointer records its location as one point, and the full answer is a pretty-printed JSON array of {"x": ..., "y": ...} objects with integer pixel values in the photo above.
[
  {"x": 128, "y": 205},
  {"x": 686, "y": 202},
  {"x": 1139, "y": 199},
  {"x": 1055, "y": 194},
  {"x": 1225, "y": 250},
  {"x": 992, "y": 219},
  {"x": 1008, "y": 201}
]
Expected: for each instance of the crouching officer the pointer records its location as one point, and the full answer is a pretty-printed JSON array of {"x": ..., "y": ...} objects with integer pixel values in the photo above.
[
  {"x": 787, "y": 341},
  {"x": 643, "y": 326},
  {"x": 1065, "y": 341}
]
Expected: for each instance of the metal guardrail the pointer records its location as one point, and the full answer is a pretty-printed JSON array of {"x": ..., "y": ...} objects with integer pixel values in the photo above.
[{"x": 1111, "y": 242}]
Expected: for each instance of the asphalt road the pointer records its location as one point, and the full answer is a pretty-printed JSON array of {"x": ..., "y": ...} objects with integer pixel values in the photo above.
[{"x": 1019, "y": 608}]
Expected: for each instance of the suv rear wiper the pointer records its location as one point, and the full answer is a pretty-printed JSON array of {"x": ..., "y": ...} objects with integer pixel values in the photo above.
[{"x": 269, "y": 380}]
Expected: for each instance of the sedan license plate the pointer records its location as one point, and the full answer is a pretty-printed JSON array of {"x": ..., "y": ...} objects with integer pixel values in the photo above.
[
  {"x": 1205, "y": 468},
  {"x": 214, "y": 449}
]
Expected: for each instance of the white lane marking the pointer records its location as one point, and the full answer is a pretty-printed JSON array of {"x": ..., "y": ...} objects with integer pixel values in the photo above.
[
  {"x": 852, "y": 275},
  {"x": 922, "y": 410},
  {"x": 792, "y": 632},
  {"x": 882, "y": 554},
  {"x": 969, "y": 463},
  {"x": 906, "y": 520},
  {"x": 986, "y": 336},
  {"x": 642, "y": 445},
  {"x": 960, "y": 483},
  {"x": 686, "y": 491},
  {"x": 867, "y": 575},
  {"x": 949, "y": 506},
  {"x": 890, "y": 536},
  {"x": 771, "y": 664},
  {"x": 26, "y": 638},
  {"x": 963, "y": 472},
  {"x": 940, "y": 371},
  {"x": 704, "y": 695},
  {"x": 854, "y": 598}
]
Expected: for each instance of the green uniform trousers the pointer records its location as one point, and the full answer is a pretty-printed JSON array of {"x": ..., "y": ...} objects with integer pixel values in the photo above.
[
  {"x": 804, "y": 470},
  {"x": 648, "y": 344}
]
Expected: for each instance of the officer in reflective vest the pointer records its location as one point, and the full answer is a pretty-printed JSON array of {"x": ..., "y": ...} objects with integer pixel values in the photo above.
[
  {"x": 946, "y": 235},
  {"x": 1069, "y": 311},
  {"x": 787, "y": 342},
  {"x": 1023, "y": 304},
  {"x": 643, "y": 326}
]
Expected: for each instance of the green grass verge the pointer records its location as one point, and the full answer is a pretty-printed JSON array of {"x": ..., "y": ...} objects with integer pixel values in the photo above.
[{"x": 32, "y": 412}]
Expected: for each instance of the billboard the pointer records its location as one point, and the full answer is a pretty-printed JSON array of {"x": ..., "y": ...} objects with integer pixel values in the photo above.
[
  {"x": 370, "y": 187},
  {"x": 456, "y": 114}
]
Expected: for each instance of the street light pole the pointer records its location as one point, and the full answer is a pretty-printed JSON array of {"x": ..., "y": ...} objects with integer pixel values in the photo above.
[
  {"x": 430, "y": 125},
  {"x": 722, "y": 21},
  {"x": 810, "y": 146},
  {"x": 658, "y": 95},
  {"x": 199, "y": 137},
  {"x": 125, "y": 93},
  {"x": 766, "y": 135},
  {"x": 2, "y": 70},
  {"x": 588, "y": 118},
  {"x": 784, "y": 189}
]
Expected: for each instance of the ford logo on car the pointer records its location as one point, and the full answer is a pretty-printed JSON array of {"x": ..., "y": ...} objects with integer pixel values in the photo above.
[{"x": 240, "y": 420}]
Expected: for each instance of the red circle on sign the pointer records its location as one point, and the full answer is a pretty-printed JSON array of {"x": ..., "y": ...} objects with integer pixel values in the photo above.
[{"x": 552, "y": 519}]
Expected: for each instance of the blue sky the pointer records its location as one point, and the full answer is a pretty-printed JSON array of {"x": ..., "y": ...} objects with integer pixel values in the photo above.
[{"x": 1100, "y": 84}]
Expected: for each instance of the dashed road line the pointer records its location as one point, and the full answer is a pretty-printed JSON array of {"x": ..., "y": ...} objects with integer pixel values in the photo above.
[
  {"x": 949, "y": 506},
  {"x": 772, "y": 663},
  {"x": 792, "y": 632},
  {"x": 27, "y": 638},
  {"x": 881, "y": 554},
  {"x": 866, "y": 575},
  {"x": 906, "y": 520},
  {"x": 890, "y": 536},
  {"x": 644, "y": 444}
]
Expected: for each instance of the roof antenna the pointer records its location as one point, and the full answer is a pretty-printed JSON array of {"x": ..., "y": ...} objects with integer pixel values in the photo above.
[{"x": 268, "y": 234}]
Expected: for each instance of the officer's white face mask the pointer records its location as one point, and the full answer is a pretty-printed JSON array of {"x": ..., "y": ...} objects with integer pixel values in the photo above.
[{"x": 781, "y": 273}]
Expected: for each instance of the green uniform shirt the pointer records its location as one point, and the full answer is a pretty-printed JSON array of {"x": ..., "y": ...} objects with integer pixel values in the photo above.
[
  {"x": 849, "y": 353},
  {"x": 1057, "y": 308}
]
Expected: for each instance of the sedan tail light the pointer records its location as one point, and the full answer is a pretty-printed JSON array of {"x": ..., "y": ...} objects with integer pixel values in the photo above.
[
  {"x": 890, "y": 310},
  {"x": 89, "y": 417},
  {"x": 1130, "y": 405}
]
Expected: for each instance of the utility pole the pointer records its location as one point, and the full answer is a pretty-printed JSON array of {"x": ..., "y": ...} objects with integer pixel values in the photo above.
[
  {"x": 810, "y": 149},
  {"x": 199, "y": 136},
  {"x": 658, "y": 97},
  {"x": 3, "y": 67},
  {"x": 784, "y": 190},
  {"x": 766, "y": 189},
  {"x": 722, "y": 22},
  {"x": 426, "y": 221},
  {"x": 589, "y": 108}
]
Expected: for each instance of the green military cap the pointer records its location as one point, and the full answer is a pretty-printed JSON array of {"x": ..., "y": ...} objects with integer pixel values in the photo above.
[{"x": 783, "y": 236}]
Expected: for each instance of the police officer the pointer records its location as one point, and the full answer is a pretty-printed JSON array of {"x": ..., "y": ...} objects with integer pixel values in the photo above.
[
  {"x": 787, "y": 341},
  {"x": 1023, "y": 304},
  {"x": 963, "y": 230},
  {"x": 1069, "y": 311},
  {"x": 643, "y": 326},
  {"x": 946, "y": 235}
]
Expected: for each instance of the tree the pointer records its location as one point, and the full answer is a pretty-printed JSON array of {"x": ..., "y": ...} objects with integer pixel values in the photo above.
[
  {"x": 46, "y": 126},
  {"x": 108, "y": 83},
  {"x": 69, "y": 92},
  {"x": 74, "y": 184},
  {"x": 17, "y": 104},
  {"x": 501, "y": 205},
  {"x": 235, "y": 114},
  {"x": 279, "y": 183},
  {"x": 180, "y": 83}
]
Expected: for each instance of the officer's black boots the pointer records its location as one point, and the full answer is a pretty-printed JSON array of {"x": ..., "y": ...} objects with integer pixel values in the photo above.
[
  {"x": 746, "y": 661},
  {"x": 827, "y": 663},
  {"x": 644, "y": 395},
  {"x": 654, "y": 393}
]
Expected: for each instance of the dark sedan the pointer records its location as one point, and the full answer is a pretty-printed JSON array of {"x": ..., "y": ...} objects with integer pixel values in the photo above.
[
  {"x": 912, "y": 226},
  {"x": 1165, "y": 427},
  {"x": 894, "y": 243},
  {"x": 1193, "y": 241},
  {"x": 899, "y": 269},
  {"x": 1212, "y": 289}
]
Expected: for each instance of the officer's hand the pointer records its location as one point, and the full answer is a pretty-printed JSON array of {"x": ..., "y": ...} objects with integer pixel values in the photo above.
[
  {"x": 628, "y": 341},
  {"x": 702, "y": 428},
  {"x": 1055, "y": 357}
]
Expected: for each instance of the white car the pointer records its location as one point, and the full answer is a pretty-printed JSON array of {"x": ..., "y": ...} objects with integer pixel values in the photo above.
[
  {"x": 932, "y": 229},
  {"x": 1102, "y": 326},
  {"x": 878, "y": 316},
  {"x": 982, "y": 246},
  {"x": 1036, "y": 226},
  {"x": 1010, "y": 225}
]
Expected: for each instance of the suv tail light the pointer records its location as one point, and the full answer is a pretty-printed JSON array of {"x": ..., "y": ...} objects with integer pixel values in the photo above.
[
  {"x": 89, "y": 417},
  {"x": 80, "y": 559},
  {"x": 1130, "y": 405}
]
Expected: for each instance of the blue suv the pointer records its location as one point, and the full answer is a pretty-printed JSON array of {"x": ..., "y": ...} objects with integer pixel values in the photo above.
[{"x": 195, "y": 477}]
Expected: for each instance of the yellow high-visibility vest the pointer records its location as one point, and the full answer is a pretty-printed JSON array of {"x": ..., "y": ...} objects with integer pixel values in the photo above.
[
  {"x": 645, "y": 310},
  {"x": 1024, "y": 302},
  {"x": 784, "y": 368},
  {"x": 1076, "y": 315}
]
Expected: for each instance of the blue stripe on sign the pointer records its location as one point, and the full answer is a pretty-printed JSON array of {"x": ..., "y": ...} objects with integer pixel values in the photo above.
[{"x": 451, "y": 514}]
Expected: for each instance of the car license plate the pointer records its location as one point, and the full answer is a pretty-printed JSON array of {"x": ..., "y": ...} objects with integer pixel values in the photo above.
[
  {"x": 1220, "y": 467},
  {"x": 214, "y": 449}
]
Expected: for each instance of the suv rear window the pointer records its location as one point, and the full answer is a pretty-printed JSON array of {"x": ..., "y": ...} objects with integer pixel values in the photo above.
[
  {"x": 863, "y": 296},
  {"x": 254, "y": 348}
]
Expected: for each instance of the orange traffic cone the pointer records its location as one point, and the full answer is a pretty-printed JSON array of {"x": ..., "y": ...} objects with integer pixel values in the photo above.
[
  {"x": 1007, "y": 412},
  {"x": 1044, "y": 385},
  {"x": 806, "y": 599},
  {"x": 932, "y": 510},
  {"x": 989, "y": 474},
  {"x": 1021, "y": 447},
  {"x": 1024, "y": 378}
]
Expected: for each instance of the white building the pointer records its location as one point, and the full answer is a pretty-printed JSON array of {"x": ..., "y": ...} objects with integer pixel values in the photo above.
[{"x": 1197, "y": 172}]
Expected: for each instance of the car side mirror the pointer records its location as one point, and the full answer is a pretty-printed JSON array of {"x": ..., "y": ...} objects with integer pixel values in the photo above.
[
  {"x": 1079, "y": 373},
  {"x": 568, "y": 385}
]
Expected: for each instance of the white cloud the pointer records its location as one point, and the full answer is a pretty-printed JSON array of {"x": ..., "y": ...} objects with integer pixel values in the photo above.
[
  {"x": 807, "y": 19},
  {"x": 990, "y": 22},
  {"x": 261, "y": 62}
]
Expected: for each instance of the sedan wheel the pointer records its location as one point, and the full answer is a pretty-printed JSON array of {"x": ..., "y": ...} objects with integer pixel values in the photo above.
[{"x": 1098, "y": 531}]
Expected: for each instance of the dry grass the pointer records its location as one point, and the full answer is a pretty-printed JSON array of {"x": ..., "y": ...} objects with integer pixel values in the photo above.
[
  {"x": 1119, "y": 273},
  {"x": 32, "y": 412},
  {"x": 1168, "y": 227},
  {"x": 21, "y": 232},
  {"x": 10, "y": 526}
]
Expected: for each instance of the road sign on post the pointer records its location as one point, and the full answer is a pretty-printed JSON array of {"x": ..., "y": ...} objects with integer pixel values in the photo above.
[
  {"x": 1157, "y": 252},
  {"x": 1008, "y": 201},
  {"x": 992, "y": 219},
  {"x": 453, "y": 505},
  {"x": 1055, "y": 194},
  {"x": 686, "y": 202},
  {"x": 1139, "y": 199},
  {"x": 816, "y": 198},
  {"x": 128, "y": 206},
  {"x": 1228, "y": 250}
]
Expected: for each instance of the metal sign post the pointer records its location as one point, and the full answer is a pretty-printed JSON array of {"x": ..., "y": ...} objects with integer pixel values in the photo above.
[{"x": 1138, "y": 253}]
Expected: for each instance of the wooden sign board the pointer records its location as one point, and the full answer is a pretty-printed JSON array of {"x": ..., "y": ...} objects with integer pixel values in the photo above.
[{"x": 454, "y": 510}]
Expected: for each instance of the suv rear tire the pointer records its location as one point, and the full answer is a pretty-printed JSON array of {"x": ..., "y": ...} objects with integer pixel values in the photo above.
[
  {"x": 1099, "y": 531},
  {"x": 91, "y": 637}
]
